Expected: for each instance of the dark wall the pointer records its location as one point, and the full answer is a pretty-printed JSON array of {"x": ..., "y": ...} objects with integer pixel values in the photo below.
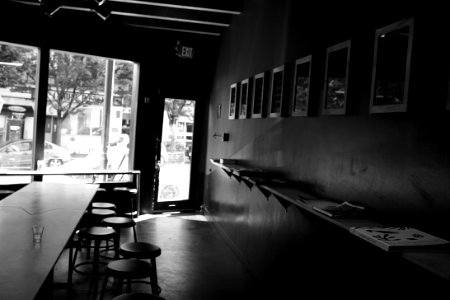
[
  {"x": 162, "y": 73},
  {"x": 395, "y": 164}
]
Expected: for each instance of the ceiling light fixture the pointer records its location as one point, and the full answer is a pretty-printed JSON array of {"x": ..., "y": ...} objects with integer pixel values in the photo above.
[{"x": 101, "y": 9}]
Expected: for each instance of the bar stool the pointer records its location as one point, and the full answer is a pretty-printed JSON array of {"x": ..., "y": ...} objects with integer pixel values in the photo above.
[
  {"x": 125, "y": 193},
  {"x": 103, "y": 205},
  {"x": 85, "y": 238},
  {"x": 138, "y": 296},
  {"x": 98, "y": 214},
  {"x": 117, "y": 223},
  {"x": 126, "y": 269},
  {"x": 100, "y": 200},
  {"x": 143, "y": 250}
]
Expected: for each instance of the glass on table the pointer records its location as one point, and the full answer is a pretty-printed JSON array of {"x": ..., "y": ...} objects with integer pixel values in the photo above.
[{"x": 38, "y": 231}]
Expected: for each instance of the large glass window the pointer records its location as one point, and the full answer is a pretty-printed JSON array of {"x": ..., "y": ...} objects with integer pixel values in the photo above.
[
  {"x": 89, "y": 106},
  {"x": 17, "y": 107},
  {"x": 90, "y": 112}
]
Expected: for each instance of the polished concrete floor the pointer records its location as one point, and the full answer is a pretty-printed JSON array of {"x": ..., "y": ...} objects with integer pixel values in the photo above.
[{"x": 195, "y": 263}]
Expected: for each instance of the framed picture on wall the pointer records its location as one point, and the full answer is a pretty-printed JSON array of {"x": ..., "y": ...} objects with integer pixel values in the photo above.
[
  {"x": 276, "y": 92},
  {"x": 244, "y": 102},
  {"x": 302, "y": 79},
  {"x": 234, "y": 101},
  {"x": 391, "y": 67},
  {"x": 336, "y": 79},
  {"x": 259, "y": 103}
]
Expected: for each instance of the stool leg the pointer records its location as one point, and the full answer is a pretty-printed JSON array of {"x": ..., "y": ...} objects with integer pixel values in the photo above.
[
  {"x": 96, "y": 259},
  {"x": 105, "y": 282},
  {"x": 132, "y": 208},
  {"x": 128, "y": 285},
  {"x": 71, "y": 263},
  {"x": 154, "y": 278},
  {"x": 116, "y": 243},
  {"x": 119, "y": 286},
  {"x": 74, "y": 259},
  {"x": 134, "y": 233},
  {"x": 88, "y": 248}
]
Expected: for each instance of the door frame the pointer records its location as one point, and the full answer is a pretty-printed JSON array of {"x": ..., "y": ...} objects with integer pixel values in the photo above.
[{"x": 180, "y": 205}]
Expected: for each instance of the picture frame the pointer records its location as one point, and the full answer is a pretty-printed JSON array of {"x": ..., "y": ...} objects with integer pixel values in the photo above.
[
  {"x": 233, "y": 101},
  {"x": 244, "y": 99},
  {"x": 259, "y": 99},
  {"x": 391, "y": 67},
  {"x": 276, "y": 104},
  {"x": 336, "y": 79},
  {"x": 301, "y": 84}
]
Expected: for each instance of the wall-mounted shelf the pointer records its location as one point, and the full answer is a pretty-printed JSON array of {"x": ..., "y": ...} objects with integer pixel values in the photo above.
[{"x": 435, "y": 260}]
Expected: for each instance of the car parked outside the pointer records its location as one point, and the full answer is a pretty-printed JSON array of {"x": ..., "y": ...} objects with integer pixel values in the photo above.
[{"x": 16, "y": 155}]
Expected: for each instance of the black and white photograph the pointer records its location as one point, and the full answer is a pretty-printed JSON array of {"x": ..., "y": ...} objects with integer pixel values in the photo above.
[{"x": 224, "y": 150}]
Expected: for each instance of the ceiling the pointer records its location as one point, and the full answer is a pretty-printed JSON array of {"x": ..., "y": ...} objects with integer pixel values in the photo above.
[{"x": 200, "y": 17}]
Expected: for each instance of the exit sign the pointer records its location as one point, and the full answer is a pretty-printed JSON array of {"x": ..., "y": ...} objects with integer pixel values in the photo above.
[
  {"x": 187, "y": 52},
  {"x": 183, "y": 51}
]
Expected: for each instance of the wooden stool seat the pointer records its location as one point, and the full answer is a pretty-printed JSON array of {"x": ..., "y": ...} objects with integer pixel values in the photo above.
[
  {"x": 143, "y": 250},
  {"x": 126, "y": 193},
  {"x": 96, "y": 215},
  {"x": 125, "y": 189},
  {"x": 126, "y": 269},
  {"x": 138, "y": 296},
  {"x": 117, "y": 223},
  {"x": 103, "y": 205},
  {"x": 85, "y": 236},
  {"x": 129, "y": 269},
  {"x": 97, "y": 233},
  {"x": 139, "y": 250},
  {"x": 101, "y": 212}
]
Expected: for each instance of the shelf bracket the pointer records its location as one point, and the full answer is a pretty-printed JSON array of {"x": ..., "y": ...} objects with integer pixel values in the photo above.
[
  {"x": 247, "y": 182},
  {"x": 283, "y": 202},
  {"x": 229, "y": 173},
  {"x": 265, "y": 192},
  {"x": 237, "y": 177}
]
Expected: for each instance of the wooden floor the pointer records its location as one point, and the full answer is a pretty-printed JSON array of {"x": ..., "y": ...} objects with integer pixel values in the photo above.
[{"x": 195, "y": 263}]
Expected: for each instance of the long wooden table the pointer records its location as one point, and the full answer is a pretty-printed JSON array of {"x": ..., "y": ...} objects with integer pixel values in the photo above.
[
  {"x": 136, "y": 174},
  {"x": 24, "y": 268}
]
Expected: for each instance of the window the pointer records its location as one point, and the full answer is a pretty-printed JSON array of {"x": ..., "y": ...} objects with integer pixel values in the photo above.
[
  {"x": 18, "y": 65},
  {"x": 89, "y": 123},
  {"x": 80, "y": 109}
]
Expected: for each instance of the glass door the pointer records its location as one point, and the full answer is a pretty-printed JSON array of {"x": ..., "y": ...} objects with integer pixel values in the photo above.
[{"x": 173, "y": 174}]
